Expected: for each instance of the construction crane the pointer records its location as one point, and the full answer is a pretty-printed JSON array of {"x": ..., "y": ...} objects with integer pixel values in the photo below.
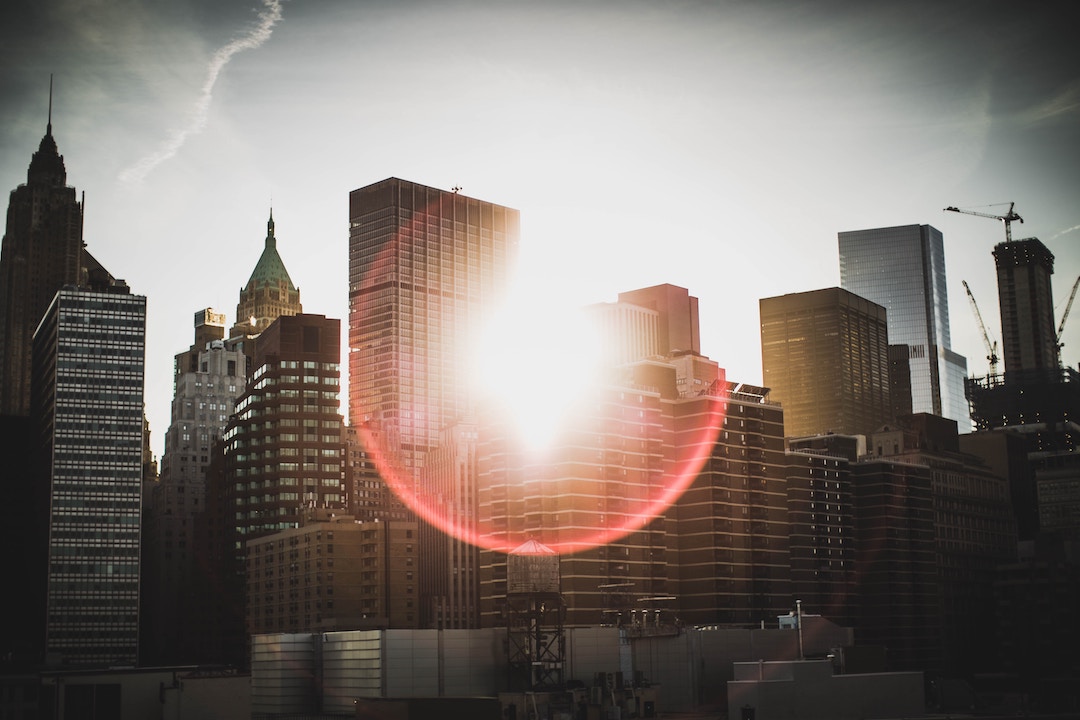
[
  {"x": 1064, "y": 317},
  {"x": 991, "y": 347},
  {"x": 1007, "y": 218}
]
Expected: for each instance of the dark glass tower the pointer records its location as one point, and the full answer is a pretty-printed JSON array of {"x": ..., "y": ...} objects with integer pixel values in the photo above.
[
  {"x": 88, "y": 414},
  {"x": 903, "y": 269}
]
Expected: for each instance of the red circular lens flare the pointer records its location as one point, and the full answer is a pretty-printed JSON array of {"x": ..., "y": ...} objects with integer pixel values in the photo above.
[
  {"x": 568, "y": 527},
  {"x": 554, "y": 496}
]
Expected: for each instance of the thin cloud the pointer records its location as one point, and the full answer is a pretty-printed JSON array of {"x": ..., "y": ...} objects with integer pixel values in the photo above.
[
  {"x": 256, "y": 36},
  {"x": 1066, "y": 102},
  {"x": 1066, "y": 230}
]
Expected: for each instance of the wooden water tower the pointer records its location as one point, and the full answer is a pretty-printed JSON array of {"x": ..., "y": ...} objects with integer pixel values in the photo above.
[{"x": 535, "y": 610}]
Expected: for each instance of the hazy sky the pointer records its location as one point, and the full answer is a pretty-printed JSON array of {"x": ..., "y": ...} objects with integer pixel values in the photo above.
[{"x": 717, "y": 145}]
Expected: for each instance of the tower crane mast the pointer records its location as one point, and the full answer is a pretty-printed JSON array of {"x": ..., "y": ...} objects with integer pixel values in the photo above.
[
  {"x": 1007, "y": 218},
  {"x": 991, "y": 347}
]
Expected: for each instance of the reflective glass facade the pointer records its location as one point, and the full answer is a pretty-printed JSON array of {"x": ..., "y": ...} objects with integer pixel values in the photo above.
[
  {"x": 903, "y": 269},
  {"x": 89, "y": 354},
  {"x": 423, "y": 265}
]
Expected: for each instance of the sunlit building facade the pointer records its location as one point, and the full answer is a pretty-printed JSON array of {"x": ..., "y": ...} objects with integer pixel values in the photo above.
[
  {"x": 903, "y": 269},
  {"x": 425, "y": 267},
  {"x": 728, "y": 534},
  {"x": 332, "y": 572},
  {"x": 593, "y": 479},
  {"x": 87, "y": 410},
  {"x": 825, "y": 355},
  {"x": 269, "y": 292}
]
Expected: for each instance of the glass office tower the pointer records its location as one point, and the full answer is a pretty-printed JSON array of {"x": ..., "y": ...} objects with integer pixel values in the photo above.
[
  {"x": 903, "y": 269},
  {"x": 88, "y": 362},
  {"x": 424, "y": 265}
]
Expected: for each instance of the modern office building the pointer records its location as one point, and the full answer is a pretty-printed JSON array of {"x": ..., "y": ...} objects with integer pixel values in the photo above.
[
  {"x": 1025, "y": 297},
  {"x": 42, "y": 252},
  {"x": 87, "y": 412},
  {"x": 903, "y": 269},
  {"x": 269, "y": 292},
  {"x": 425, "y": 267},
  {"x": 825, "y": 356},
  {"x": 451, "y": 583}
]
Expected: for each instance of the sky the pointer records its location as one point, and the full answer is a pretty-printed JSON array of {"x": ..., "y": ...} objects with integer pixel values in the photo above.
[{"x": 718, "y": 145}]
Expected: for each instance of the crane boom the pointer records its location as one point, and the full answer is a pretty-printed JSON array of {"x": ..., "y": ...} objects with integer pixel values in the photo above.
[
  {"x": 1007, "y": 218},
  {"x": 1065, "y": 316},
  {"x": 991, "y": 347}
]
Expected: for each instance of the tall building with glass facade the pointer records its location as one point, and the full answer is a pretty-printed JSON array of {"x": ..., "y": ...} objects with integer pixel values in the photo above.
[
  {"x": 424, "y": 267},
  {"x": 825, "y": 355},
  {"x": 87, "y": 409},
  {"x": 903, "y": 269}
]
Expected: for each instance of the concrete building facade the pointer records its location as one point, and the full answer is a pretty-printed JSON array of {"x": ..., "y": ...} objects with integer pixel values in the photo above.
[
  {"x": 333, "y": 573},
  {"x": 1025, "y": 297},
  {"x": 283, "y": 445}
]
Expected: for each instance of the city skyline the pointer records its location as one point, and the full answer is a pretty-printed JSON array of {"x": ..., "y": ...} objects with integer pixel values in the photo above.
[{"x": 719, "y": 147}]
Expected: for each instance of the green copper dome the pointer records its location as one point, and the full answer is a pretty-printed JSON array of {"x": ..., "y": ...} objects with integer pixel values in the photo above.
[{"x": 270, "y": 270}]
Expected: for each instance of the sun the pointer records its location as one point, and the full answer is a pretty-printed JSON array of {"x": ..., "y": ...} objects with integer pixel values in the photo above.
[{"x": 552, "y": 352}]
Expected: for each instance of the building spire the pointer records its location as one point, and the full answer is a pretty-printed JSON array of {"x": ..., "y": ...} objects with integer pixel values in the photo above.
[
  {"x": 270, "y": 240},
  {"x": 47, "y": 164}
]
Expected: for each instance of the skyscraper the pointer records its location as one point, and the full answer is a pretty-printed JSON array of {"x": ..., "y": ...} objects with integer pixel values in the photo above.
[
  {"x": 825, "y": 355},
  {"x": 424, "y": 267},
  {"x": 88, "y": 414},
  {"x": 903, "y": 269},
  {"x": 42, "y": 252},
  {"x": 1028, "y": 335}
]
